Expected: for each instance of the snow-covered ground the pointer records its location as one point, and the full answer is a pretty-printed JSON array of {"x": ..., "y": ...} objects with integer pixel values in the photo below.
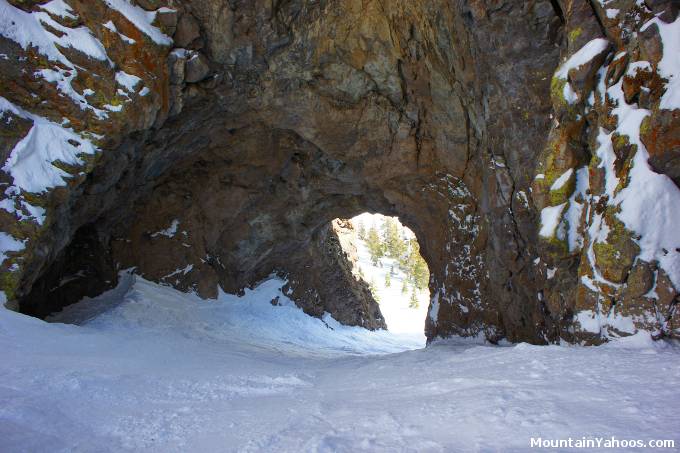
[
  {"x": 394, "y": 304},
  {"x": 152, "y": 369}
]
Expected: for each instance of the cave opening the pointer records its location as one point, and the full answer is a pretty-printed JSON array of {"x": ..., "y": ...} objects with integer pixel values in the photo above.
[
  {"x": 386, "y": 255},
  {"x": 243, "y": 204},
  {"x": 368, "y": 272}
]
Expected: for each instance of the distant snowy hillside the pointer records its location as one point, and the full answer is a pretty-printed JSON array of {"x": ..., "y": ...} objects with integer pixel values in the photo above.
[{"x": 393, "y": 300}]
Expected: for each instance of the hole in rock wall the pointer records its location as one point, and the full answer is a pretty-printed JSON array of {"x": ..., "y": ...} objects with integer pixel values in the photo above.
[
  {"x": 83, "y": 269},
  {"x": 386, "y": 255},
  {"x": 368, "y": 272}
]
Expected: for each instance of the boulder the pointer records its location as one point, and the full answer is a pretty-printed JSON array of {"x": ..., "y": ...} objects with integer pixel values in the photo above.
[
  {"x": 150, "y": 5},
  {"x": 187, "y": 31},
  {"x": 166, "y": 19},
  {"x": 177, "y": 60},
  {"x": 196, "y": 68}
]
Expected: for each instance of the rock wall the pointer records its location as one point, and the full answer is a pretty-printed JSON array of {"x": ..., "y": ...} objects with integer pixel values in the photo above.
[
  {"x": 212, "y": 142},
  {"x": 606, "y": 183},
  {"x": 328, "y": 282}
]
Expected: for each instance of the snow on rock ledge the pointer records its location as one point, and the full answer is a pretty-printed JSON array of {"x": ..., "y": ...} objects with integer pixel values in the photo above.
[
  {"x": 629, "y": 258},
  {"x": 68, "y": 85}
]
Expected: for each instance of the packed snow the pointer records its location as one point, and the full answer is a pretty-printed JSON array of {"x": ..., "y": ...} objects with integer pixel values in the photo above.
[
  {"x": 584, "y": 55},
  {"x": 37, "y": 29},
  {"x": 9, "y": 244},
  {"x": 572, "y": 217},
  {"x": 128, "y": 81},
  {"x": 578, "y": 59},
  {"x": 562, "y": 180},
  {"x": 550, "y": 219},
  {"x": 147, "y": 368},
  {"x": 28, "y": 30},
  {"x": 113, "y": 29},
  {"x": 31, "y": 166},
  {"x": 648, "y": 204},
  {"x": 144, "y": 367},
  {"x": 31, "y": 161},
  {"x": 141, "y": 19},
  {"x": 59, "y": 8}
]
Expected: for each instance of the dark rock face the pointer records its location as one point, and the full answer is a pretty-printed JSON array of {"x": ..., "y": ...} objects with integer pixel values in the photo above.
[
  {"x": 328, "y": 282},
  {"x": 83, "y": 268},
  {"x": 270, "y": 119},
  {"x": 662, "y": 139}
]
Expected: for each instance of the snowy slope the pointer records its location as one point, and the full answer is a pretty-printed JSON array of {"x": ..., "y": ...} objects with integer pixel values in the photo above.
[
  {"x": 152, "y": 369},
  {"x": 250, "y": 319},
  {"x": 394, "y": 304}
]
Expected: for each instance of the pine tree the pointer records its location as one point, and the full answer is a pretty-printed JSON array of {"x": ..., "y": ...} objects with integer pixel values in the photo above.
[
  {"x": 388, "y": 233},
  {"x": 405, "y": 260},
  {"x": 420, "y": 273},
  {"x": 375, "y": 246},
  {"x": 399, "y": 247},
  {"x": 413, "y": 302},
  {"x": 394, "y": 244},
  {"x": 404, "y": 287},
  {"x": 388, "y": 281},
  {"x": 402, "y": 262},
  {"x": 362, "y": 231},
  {"x": 415, "y": 267}
]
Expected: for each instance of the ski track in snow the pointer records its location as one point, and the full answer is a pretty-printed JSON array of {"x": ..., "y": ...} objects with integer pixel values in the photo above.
[{"x": 152, "y": 369}]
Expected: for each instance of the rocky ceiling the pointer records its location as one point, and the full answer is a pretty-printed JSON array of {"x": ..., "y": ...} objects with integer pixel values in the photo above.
[{"x": 228, "y": 134}]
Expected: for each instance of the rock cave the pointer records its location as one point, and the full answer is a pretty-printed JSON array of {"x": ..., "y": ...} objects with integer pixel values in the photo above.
[{"x": 215, "y": 143}]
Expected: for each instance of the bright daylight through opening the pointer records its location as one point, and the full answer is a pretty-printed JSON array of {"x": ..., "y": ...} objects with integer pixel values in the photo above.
[{"x": 389, "y": 260}]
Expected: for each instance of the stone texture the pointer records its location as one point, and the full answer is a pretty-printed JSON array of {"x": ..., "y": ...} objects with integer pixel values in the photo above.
[
  {"x": 641, "y": 279},
  {"x": 661, "y": 136},
  {"x": 166, "y": 20},
  {"x": 187, "y": 31},
  {"x": 442, "y": 113},
  {"x": 328, "y": 282},
  {"x": 177, "y": 61},
  {"x": 196, "y": 68},
  {"x": 150, "y": 5},
  {"x": 27, "y": 5},
  {"x": 610, "y": 285}
]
